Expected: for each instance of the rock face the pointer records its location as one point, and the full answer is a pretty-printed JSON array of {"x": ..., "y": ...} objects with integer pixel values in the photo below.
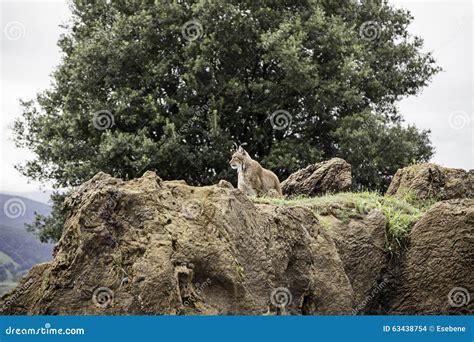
[
  {"x": 431, "y": 180},
  {"x": 148, "y": 246},
  {"x": 333, "y": 175},
  {"x": 437, "y": 276},
  {"x": 225, "y": 184},
  {"x": 361, "y": 247}
]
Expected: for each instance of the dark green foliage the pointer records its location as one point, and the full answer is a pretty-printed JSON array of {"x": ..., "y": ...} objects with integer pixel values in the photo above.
[
  {"x": 50, "y": 227},
  {"x": 177, "y": 104},
  {"x": 376, "y": 149}
]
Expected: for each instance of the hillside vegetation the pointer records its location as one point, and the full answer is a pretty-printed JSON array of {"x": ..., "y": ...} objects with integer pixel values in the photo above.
[{"x": 19, "y": 248}]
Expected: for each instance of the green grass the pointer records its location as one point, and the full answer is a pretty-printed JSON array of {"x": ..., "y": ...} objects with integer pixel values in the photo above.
[{"x": 402, "y": 212}]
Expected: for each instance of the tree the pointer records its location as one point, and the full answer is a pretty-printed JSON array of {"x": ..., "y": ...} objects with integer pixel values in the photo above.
[
  {"x": 49, "y": 228},
  {"x": 376, "y": 148},
  {"x": 169, "y": 86}
]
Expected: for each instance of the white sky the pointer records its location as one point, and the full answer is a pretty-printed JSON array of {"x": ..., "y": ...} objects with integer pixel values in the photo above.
[{"x": 445, "y": 106}]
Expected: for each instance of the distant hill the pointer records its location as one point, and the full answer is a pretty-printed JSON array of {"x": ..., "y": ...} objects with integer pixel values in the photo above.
[
  {"x": 9, "y": 204},
  {"x": 42, "y": 196},
  {"x": 19, "y": 249}
]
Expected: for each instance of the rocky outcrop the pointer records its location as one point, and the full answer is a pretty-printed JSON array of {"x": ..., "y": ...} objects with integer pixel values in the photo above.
[
  {"x": 437, "y": 275},
  {"x": 225, "y": 184},
  {"x": 431, "y": 180},
  {"x": 360, "y": 244},
  {"x": 148, "y": 246},
  {"x": 329, "y": 176}
]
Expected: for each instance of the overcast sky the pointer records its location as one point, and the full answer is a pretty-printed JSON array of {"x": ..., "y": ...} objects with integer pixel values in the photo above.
[{"x": 29, "y": 53}]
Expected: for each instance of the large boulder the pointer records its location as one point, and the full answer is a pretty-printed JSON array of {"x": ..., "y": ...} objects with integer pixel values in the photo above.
[
  {"x": 437, "y": 275},
  {"x": 149, "y": 246},
  {"x": 329, "y": 176},
  {"x": 431, "y": 180}
]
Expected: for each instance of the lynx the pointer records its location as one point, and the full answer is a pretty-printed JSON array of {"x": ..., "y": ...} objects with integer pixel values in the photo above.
[{"x": 252, "y": 178}]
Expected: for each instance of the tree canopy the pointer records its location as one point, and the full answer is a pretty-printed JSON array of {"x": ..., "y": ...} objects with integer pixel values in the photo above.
[{"x": 170, "y": 85}]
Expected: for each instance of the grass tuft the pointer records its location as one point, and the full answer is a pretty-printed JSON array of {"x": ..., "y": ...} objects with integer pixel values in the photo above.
[{"x": 402, "y": 212}]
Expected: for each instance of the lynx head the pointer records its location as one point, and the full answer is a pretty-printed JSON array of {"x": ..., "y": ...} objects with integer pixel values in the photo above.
[{"x": 239, "y": 158}]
